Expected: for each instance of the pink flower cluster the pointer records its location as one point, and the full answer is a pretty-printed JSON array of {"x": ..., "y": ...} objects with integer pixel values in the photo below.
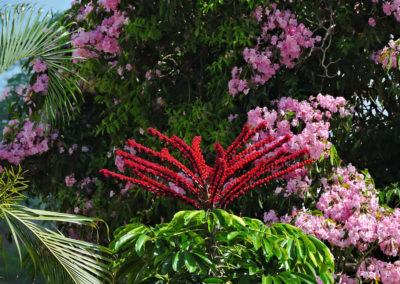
[
  {"x": 42, "y": 80},
  {"x": 392, "y": 7},
  {"x": 70, "y": 180},
  {"x": 310, "y": 120},
  {"x": 41, "y": 84},
  {"x": 388, "y": 232},
  {"x": 371, "y": 22},
  {"x": 28, "y": 140},
  {"x": 349, "y": 212},
  {"x": 374, "y": 269},
  {"x": 282, "y": 34},
  {"x": 110, "y": 4},
  {"x": 349, "y": 207},
  {"x": 388, "y": 54},
  {"x": 84, "y": 10},
  {"x": 6, "y": 92},
  {"x": 39, "y": 66},
  {"x": 103, "y": 38},
  {"x": 350, "y": 216}
]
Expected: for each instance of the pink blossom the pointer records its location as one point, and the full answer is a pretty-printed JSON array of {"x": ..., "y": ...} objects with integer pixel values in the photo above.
[
  {"x": 178, "y": 189},
  {"x": 42, "y": 83},
  {"x": 104, "y": 37},
  {"x": 109, "y": 45},
  {"x": 6, "y": 92},
  {"x": 87, "y": 207},
  {"x": 372, "y": 269},
  {"x": 391, "y": 51},
  {"x": 148, "y": 75},
  {"x": 110, "y": 4},
  {"x": 344, "y": 279},
  {"x": 387, "y": 8},
  {"x": 85, "y": 182},
  {"x": 282, "y": 34},
  {"x": 19, "y": 89},
  {"x": 313, "y": 135},
  {"x": 232, "y": 117},
  {"x": 371, "y": 22},
  {"x": 127, "y": 187},
  {"x": 119, "y": 162},
  {"x": 270, "y": 217},
  {"x": 70, "y": 180},
  {"x": 39, "y": 66},
  {"x": 29, "y": 140}
]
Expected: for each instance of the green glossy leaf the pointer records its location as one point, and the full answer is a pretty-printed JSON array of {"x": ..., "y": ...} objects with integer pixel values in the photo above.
[
  {"x": 139, "y": 247},
  {"x": 257, "y": 241},
  {"x": 204, "y": 258},
  {"x": 176, "y": 261},
  {"x": 233, "y": 235},
  {"x": 253, "y": 270},
  {"x": 190, "y": 262},
  {"x": 266, "y": 279},
  {"x": 167, "y": 265},
  {"x": 190, "y": 215}
]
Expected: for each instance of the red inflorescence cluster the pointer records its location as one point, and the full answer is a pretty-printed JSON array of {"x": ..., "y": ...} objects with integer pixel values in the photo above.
[{"x": 235, "y": 171}]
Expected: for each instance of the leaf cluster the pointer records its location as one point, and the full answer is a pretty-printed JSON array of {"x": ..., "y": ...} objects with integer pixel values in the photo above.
[{"x": 218, "y": 247}]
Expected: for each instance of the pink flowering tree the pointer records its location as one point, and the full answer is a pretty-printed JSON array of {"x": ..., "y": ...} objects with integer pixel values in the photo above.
[
  {"x": 345, "y": 209},
  {"x": 280, "y": 44}
]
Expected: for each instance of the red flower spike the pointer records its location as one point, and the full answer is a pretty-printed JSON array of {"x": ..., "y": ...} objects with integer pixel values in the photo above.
[
  {"x": 273, "y": 163},
  {"x": 234, "y": 173},
  {"x": 198, "y": 156},
  {"x": 252, "y": 174},
  {"x": 231, "y": 149},
  {"x": 188, "y": 153},
  {"x": 155, "y": 169},
  {"x": 251, "y": 149}
]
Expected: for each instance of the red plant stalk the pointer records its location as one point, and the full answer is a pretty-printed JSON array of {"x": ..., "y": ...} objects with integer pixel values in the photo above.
[{"x": 234, "y": 173}]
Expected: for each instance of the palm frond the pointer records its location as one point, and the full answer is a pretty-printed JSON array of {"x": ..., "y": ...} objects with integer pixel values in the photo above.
[
  {"x": 61, "y": 259},
  {"x": 11, "y": 186},
  {"x": 26, "y": 33}
]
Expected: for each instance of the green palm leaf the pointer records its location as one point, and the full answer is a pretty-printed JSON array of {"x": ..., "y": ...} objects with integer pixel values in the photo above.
[
  {"x": 26, "y": 33},
  {"x": 60, "y": 259}
]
